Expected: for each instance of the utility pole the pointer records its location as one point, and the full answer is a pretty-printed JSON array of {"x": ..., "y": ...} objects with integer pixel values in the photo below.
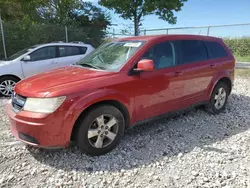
[
  {"x": 3, "y": 38},
  {"x": 66, "y": 33}
]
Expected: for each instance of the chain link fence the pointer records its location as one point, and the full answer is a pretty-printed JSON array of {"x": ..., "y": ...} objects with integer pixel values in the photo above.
[
  {"x": 15, "y": 36},
  {"x": 18, "y": 36},
  {"x": 223, "y": 31}
]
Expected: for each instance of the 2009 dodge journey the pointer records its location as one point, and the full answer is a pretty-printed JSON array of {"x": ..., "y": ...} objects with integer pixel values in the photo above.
[{"x": 117, "y": 85}]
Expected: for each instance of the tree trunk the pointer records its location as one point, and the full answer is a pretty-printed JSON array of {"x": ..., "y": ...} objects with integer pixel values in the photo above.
[{"x": 136, "y": 26}]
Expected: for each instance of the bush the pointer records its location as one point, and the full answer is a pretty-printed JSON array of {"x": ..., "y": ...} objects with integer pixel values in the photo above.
[{"x": 239, "y": 46}]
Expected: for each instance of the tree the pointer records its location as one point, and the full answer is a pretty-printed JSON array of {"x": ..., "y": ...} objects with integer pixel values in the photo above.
[
  {"x": 29, "y": 22},
  {"x": 20, "y": 10},
  {"x": 135, "y": 10}
]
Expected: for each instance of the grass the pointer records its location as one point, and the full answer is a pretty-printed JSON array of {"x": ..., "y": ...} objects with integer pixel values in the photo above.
[
  {"x": 242, "y": 58},
  {"x": 242, "y": 72}
]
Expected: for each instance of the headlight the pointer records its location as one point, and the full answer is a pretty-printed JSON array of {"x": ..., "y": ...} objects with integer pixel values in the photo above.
[{"x": 43, "y": 105}]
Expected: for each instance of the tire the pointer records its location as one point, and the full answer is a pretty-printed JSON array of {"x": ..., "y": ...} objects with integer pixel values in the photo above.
[
  {"x": 8, "y": 81},
  {"x": 87, "y": 134},
  {"x": 212, "y": 107}
]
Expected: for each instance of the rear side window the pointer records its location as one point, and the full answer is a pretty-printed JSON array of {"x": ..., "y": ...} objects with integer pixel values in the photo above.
[
  {"x": 69, "y": 51},
  {"x": 215, "y": 50},
  {"x": 191, "y": 51}
]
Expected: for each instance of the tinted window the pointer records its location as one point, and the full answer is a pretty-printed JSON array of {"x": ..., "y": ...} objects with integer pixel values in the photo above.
[
  {"x": 83, "y": 50},
  {"x": 191, "y": 51},
  {"x": 215, "y": 50},
  {"x": 162, "y": 54},
  {"x": 68, "y": 51},
  {"x": 43, "y": 53}
]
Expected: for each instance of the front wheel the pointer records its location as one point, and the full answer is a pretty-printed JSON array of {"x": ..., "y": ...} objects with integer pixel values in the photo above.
[
  {"x": 7, "y": 84},
  {"x": 100, "y": 130},
  {"x": 218, "y": 98}
]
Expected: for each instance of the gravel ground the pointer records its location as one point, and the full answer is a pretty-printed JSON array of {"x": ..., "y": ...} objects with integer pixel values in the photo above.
[{"x": 193, "y": 149}]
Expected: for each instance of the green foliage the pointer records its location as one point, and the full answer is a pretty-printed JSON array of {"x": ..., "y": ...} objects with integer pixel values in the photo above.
[
  {"x": 19, "y": 36},
  {"x": 239, "y": 46},
  {"x": 41, "y": 21},
  {"x": 135, "y": 10}
]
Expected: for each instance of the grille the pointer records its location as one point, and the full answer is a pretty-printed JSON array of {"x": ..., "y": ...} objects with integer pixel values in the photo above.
[{"x": 18, "y": 102}]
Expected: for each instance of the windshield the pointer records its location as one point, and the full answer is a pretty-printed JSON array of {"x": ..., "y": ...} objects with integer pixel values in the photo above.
[
  {"x": 18, "y": 54},
  {"x": 111, "y": 56}
]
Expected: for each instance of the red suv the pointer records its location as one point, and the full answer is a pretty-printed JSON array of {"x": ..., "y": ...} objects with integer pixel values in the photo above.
[{"x": 117, "y": 85}]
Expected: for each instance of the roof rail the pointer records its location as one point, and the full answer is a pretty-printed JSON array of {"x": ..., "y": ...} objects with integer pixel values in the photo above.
[
  {"x": 79, "y": 42},
  {"x": 57, "y": 42}
]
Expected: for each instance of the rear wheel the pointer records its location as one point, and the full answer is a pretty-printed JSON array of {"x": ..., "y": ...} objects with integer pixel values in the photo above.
[
  {"x": 218, "y": 98},
  {"x": 7, "y": 84},
  {"x": 100, "y": 130}
]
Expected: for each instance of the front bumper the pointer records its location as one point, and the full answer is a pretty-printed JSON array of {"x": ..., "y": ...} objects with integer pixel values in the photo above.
[{"x": 37, "y": 129}]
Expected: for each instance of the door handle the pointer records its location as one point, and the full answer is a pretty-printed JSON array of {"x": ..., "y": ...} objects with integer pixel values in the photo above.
[
  {"x": 212, "y": 65},
  {"x": 178, "y": 73}
]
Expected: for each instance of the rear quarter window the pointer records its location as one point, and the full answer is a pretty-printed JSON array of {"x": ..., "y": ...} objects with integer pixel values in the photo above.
[
  {"x": 83, "y": 50},
  {"x": 215, "y": 50}
]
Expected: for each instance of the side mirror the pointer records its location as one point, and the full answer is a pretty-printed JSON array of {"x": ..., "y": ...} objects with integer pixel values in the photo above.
[
  {"x": 27, "y": 58},
  {"x": 144, "y": 65}
]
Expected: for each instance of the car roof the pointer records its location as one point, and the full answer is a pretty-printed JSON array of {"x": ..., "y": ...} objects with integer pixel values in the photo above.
[
  {"x": 63, "y": 44},
  {"x": 169, "y": 37}
]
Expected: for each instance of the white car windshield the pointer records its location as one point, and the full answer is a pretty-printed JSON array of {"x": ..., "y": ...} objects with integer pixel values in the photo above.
[
  {"x": 20, "y": 53},
  {"x": 111, "y": 56}
]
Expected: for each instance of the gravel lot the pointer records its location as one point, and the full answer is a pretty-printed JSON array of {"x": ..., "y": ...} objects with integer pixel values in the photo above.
[{"x": 193, "y": 149}]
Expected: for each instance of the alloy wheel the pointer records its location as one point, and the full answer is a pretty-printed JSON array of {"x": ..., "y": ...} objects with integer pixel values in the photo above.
[
  {"x": 6, "y": 87},
  {"x": 103, "y": 131},
  {"x": 220, "y": 98}
]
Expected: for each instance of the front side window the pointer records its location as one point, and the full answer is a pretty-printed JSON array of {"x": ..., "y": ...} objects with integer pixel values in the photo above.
[
  {"x": 69, "y": 51},
  {"x": 162, "y": 54},
  {"x": 215, "y": 50},
  {"x": 43, "y": 53},
  {"x": 191, "y": 51},
  {"x": 111, "y": 56}
]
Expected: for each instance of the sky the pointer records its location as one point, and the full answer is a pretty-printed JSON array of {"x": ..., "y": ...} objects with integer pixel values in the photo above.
[{"x": 199, "y": 13}]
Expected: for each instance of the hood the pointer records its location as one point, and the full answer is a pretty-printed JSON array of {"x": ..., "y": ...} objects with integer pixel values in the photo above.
[
  {"x": 4, "y": 62},
  {"x": 42, "y": 84}
]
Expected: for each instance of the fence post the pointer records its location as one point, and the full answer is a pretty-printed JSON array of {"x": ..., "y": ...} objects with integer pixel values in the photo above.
[
  {"x": 3, "y": 38},
  {"x": 113, "y": 32},
  {"x": 145, "y": 32},
  {"x": 167, "y": 31},
  {"x": 66, "y": 34},
  {"x": 208, "y": 30}
]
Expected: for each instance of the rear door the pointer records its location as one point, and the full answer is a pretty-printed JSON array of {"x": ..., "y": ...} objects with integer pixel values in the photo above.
[
  {"x": 42, "y": 59},
  {"x": 68, "y": 55},
  {"x": 195, "y": 68}
]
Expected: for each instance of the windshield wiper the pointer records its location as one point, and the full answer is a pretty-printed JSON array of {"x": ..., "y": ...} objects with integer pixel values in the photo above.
[{"x": 91, "y": 66}]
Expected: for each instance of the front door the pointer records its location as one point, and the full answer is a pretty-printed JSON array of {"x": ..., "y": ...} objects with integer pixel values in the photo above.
[
  {"x": 41, "y": 60},
  {"x": 161, "y": 90}
]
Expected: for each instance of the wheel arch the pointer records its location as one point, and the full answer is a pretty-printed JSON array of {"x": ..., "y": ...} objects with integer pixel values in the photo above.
[
  {"x": 114, "y": 103},
  {"x": 224, "y": 79},
  {"x": 10, "y": 75},
  {"x": 227, "y": 81}
]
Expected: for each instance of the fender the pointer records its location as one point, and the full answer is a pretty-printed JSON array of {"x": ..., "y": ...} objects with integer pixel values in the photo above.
[
  {"x": 214, "y": 81},
  {"x": 80, "y": 104}
]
